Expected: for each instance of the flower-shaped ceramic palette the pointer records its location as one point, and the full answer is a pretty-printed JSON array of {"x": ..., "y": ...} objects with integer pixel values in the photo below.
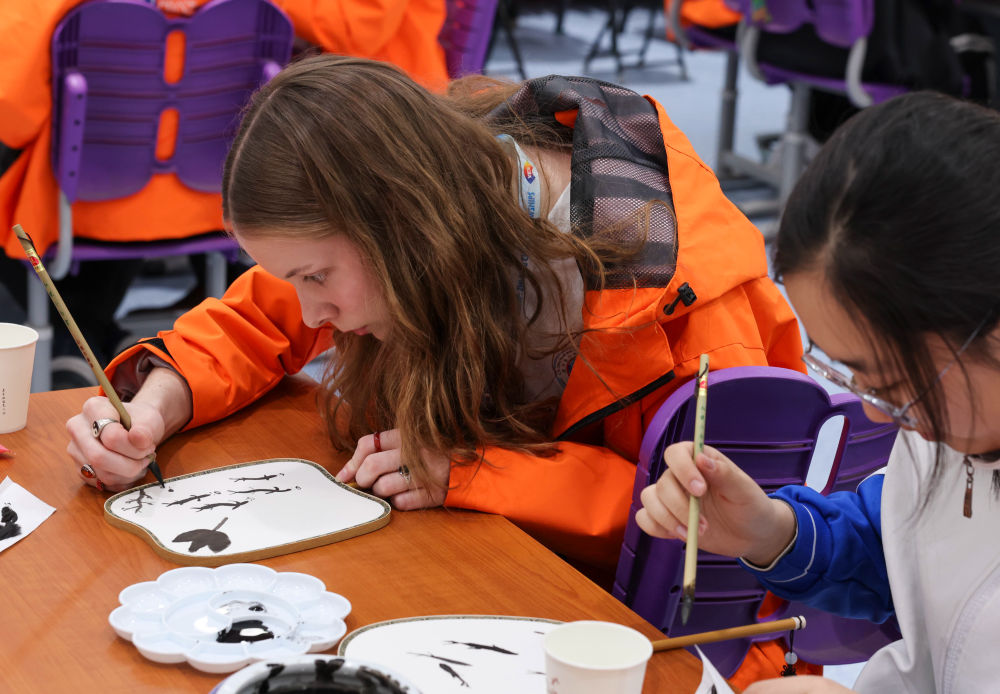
[
  {"x": 245, "y": 512},
  {"x": 220, "y": 620}
]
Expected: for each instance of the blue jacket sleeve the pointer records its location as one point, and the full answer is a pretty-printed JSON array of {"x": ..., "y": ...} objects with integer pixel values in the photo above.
[{"x": 836, "y": 562}]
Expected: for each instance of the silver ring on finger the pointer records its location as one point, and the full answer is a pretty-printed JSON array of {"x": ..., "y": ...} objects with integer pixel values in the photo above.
[
  {"x": 98, "y": 426},
  {"x": 404, "y": 472}
]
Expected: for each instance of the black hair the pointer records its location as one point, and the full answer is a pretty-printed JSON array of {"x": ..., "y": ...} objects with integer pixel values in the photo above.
[{"x": 899, "y": 213}]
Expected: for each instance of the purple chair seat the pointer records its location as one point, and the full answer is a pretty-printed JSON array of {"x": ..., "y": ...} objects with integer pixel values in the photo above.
[{"x": 767, "y": 420}]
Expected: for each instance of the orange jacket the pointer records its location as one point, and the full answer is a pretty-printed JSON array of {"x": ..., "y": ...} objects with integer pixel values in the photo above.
[
  {"x": 705, "y": 13},
  {"x": 403, "y": 32}
]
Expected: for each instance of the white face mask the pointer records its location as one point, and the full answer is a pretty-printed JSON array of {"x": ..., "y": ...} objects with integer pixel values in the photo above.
[{"x": 529, "y": 184}]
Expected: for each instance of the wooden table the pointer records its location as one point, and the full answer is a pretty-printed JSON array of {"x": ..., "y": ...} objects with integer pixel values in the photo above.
[{"x": 59, "y": 583}]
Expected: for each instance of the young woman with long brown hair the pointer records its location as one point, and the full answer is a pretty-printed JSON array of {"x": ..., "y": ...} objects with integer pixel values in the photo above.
[{"x": 512, "y": 279}]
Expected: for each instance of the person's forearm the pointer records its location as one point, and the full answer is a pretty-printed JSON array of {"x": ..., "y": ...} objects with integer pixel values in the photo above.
[
  {"x": 779, "y": 533},
  {"x": 166, "y": 391}
]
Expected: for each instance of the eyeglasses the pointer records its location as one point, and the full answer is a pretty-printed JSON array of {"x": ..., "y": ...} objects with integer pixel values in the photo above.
[{"x": 900, "y": 415}]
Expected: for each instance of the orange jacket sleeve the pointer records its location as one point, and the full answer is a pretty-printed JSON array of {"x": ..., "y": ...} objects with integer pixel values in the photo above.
[
  {"x": 576, "y": 502},
  {"x": 402, "y": 32},
  {"x": 234, "y": 349}
]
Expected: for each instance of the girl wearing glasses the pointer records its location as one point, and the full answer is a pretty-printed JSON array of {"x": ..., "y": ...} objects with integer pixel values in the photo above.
[{"x": 889, "y": 249}]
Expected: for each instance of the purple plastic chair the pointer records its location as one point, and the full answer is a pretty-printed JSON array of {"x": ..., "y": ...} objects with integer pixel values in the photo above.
[
  {"x": 767, "y": 420},
  {"x": 465, "y": 35},
  {"x": 109, "y": 93},
  {"x": 841, "y": 24}
]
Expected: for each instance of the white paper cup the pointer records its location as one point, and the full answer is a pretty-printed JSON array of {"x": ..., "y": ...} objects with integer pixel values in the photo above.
[
  {"x": 17, "y": 355},
  {"x": 590, "y": 657}
]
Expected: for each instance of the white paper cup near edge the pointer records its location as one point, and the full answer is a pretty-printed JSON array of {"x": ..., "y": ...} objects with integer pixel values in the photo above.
[
  {"x": 17, "y": 355},
  {"x": 590, "y": 657}
]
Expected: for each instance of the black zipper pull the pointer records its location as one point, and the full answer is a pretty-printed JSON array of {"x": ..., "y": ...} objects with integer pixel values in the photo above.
[
  {"x": 969, "y": 472},
  {"x": 685, "y": 295}
]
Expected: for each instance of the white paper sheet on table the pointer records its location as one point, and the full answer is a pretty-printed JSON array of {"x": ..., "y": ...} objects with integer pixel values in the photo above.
[
  {"x": 711, "y": 681},
  {"x": 20, "y": 512}
]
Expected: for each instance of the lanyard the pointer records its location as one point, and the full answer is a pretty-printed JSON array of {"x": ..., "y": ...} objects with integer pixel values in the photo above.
[{"x": 528, "y": 184}]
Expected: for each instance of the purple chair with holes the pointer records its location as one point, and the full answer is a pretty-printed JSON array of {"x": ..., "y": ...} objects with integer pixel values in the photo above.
[
  {"x": 109, "y": 92},
  {"x": 767, "y": 420},
  {"x": 465, "y": 35}
]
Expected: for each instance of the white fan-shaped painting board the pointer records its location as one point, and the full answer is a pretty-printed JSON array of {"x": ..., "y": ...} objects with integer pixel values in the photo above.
[
  {"x": 245, "y": 512},
  {"x": 471, "y": 654}
]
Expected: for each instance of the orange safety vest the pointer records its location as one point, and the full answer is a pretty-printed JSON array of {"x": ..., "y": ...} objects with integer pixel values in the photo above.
[
  {"x": 576, "y": 502},
  {"x": 404, "y": 33}
]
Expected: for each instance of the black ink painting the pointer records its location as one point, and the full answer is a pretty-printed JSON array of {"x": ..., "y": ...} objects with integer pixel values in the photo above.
[
  {"x": 437, "y": 657},
  {"x": 214, "y": 539},
  {"x": 222, "y": 504},
  {"x": 451, "y": 671},
  {"x": 193, "y": 497},
  {"x": 310, "y": 504},
  {"x": 140, "y": 500},
  {"x": 8, "y": 523},
  {"x": 455, "y": 654},
  {"x": 483, "y": 647}
]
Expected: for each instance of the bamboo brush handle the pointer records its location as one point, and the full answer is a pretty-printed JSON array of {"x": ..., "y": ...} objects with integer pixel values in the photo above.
[{"x": 790, "y": 624}]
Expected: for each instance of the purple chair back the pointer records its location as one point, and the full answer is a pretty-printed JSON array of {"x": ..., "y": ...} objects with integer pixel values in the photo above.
[
  {"x": 110, "y": 91},
  {"x": 767, "y": 420},
  {"x": 838, "y": 22},
  {"x": 465, "y": 35},
  {"x": 842, "y": 23}
]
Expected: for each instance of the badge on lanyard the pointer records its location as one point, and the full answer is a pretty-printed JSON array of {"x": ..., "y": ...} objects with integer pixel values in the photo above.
[{"x": 528, "y": 183}]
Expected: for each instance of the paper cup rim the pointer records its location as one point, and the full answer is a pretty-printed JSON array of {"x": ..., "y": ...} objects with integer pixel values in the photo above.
[
  {"x": 626, "y": 665},
  {"x": 30, "y": 336}
]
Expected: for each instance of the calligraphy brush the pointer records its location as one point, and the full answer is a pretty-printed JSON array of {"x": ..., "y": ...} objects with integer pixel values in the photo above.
[
  {"x": 74, "y": 330},
  {"x": 694, "y": 503},
  {"x": 789, "y": 624}
]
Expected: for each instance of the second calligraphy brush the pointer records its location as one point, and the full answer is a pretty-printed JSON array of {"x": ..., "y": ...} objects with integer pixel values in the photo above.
[
  {"x": 74, "y": 330},
  {"x": 694, "y": 503}
]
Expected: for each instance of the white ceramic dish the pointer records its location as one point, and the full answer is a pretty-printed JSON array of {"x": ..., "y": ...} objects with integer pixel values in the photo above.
[
  {"x": 222, "y": 619},
  {"x": 304, "y": 672},
  {"x": 458, "y": 654}
]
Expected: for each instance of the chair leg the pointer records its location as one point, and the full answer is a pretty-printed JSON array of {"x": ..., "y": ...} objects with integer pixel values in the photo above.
[
  {"x": 647, "y": 39},
  {"x": 615, "y": 23},
  {"x": 505, "y": 17},
  {"x": 595, "y": 47},
  {"x": 215, "y": 274},
  {"x": 794, "y": 141},
  {"x": 38, "y": 318},
  {"x": 561, "y": 16},
  {"x": 727, "y": 114},
  {"x": 619, "y": 15}
]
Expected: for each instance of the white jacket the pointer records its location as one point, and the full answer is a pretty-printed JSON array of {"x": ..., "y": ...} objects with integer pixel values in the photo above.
[{"x": 944, "y": 571}]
